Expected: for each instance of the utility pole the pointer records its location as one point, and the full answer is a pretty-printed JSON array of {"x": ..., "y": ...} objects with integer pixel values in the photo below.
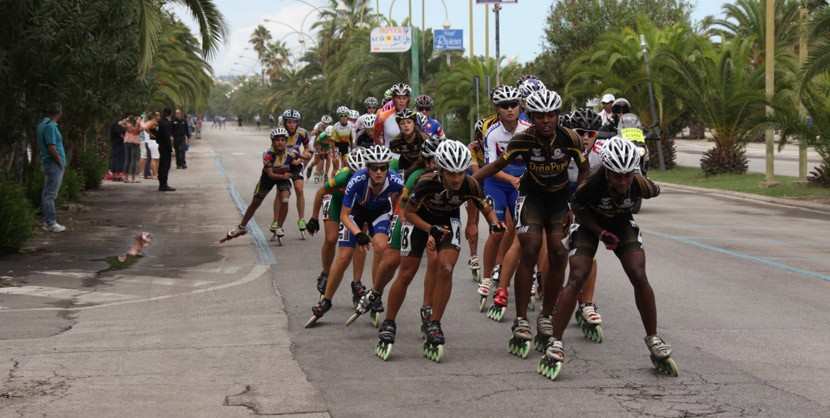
[
  {"x": 497, "y": 9},
  {"x": 769, "y": 82},
  {"x": 414, "y": 73},
  {"x": 660, "y": 160},
  {"x": 802, "y": 58},
  {"x": 486, "y": 31},
  {"x": 472, "y": 38}
]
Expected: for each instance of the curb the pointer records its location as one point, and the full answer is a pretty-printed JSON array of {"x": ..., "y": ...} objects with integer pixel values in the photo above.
[{"x": 777, "y": 201}]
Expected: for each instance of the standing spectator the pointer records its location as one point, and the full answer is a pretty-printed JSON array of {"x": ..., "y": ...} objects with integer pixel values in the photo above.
[
  {"x": 132, "y": 148},
  {"x": 165, "y": 141},
  {"x": 181, "y": 138},
  {"x": 117, "y": 149},
  {"x": 606, "y": 113},
  {"x": 53, "y": 159},
  {"x": 258, "y": 121}
]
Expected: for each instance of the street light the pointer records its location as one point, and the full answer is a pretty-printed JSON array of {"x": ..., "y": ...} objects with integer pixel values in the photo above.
[{"x": 654, "y": 118}]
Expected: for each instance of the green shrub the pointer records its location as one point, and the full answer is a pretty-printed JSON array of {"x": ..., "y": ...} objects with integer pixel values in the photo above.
[
  {"x": 71, "y": 187},
  {"x": 34, "y": 184},
  {"x": 93, "y": 168},
  {"x": 16, "y": 217}
]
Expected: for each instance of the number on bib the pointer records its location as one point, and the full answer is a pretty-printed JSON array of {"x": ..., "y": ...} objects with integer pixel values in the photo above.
[{"x": 455, "y": 224}]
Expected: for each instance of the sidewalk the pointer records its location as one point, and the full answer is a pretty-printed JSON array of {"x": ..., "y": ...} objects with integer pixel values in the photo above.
[
  {"x": 191, "y": 329},
  {"x": 753, "y": 150}
]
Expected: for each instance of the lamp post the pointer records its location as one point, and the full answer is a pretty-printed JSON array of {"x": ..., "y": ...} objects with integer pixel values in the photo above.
[
  {"x": 802, "y": 58},
  {"x": 769, "y": 82},
  {"x": 660, "y": 160}
]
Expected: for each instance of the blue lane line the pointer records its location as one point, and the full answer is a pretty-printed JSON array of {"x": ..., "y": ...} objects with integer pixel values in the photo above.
[
  {"x": 765, "y": 261},
  {"x": 264, "y": 254}
]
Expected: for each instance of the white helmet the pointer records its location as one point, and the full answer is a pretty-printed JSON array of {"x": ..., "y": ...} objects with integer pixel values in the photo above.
[
  {"x": 342, "y": 111},
  {"x": 356, "y": 159},
  {"x": 529, "y": 86},
  {"x": 620, "y": 156},
  {"x": 377, "y": 154},
  {"x": 453, "y": 156},
  {"x": 279, "y": 132},
  {"x": 354, "y": 114},
  {"x": 291, "y": 114},
  {"x": 543, "y": 101},
  {"x": 366, "y": 121},
  {"x": 429, "y": 146},
  {"x": 326, "y": 119},
  {"x": 503, "y": 94},
  {"x": 421, "y": 119},
  {"x": 401, "y": 89}
]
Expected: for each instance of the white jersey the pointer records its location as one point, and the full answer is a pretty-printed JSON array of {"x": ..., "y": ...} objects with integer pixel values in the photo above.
[
  {"x": 390, "y": 129},
  {"x": 594, "y": 157},
  {"x": 497, "y": 137}
]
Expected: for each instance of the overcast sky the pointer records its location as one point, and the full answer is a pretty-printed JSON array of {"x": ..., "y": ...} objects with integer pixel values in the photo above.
[{"x": 522, "y": 25}]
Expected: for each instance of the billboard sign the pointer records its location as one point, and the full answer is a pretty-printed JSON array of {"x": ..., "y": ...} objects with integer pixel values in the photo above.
[
  {"x": 391, "y": 39},
  {"x": 448, "y": 40}
]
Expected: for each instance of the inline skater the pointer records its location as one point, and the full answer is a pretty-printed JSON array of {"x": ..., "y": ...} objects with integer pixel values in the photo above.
[
  {"x": 432, "y": 223},
  {"x": 363, "y": 134},
  {"x": 387, "y": 101},
  {"x": 278, "y": 165},
  {"x": 407, "y": 143},
  {"x": 392, "y": 256},
  {"x": 371, "y": 104},
  {"x": 329, "y": 198},
  {"x": 298, "y": 140},
  {"x": 364, "y": 220},
  {"x": 431, "y": 127},
  {"x": 603, "y": 213},
  {"x": 386, "y": 126},
  {"x": 343, "y": 136},
  {"x": 541, "y": 207},
  {"x": 476, "y": 147},
  {"x": 319, "y": 128},
  {"x": 502, "y": 188}
]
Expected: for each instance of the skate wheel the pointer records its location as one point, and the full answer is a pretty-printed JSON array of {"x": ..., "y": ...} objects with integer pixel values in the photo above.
[
  {"x": 311, "y": 321},
  {"x": 482, "y": 304},
  {"x": 496, "y": 313},
  {"x": 434, "y": 353},
  {"x": 597, "y": 335},
  {"x": 383, "y": 350},
  {"x": 540, "y": 343},
  {"x": 667, "y": 366},
  {"x": 375, "y": 318},
  {"x": 519, "y": 348},
  {"x": 352, "y": 318},
  {"x": 550, "y": 371}
]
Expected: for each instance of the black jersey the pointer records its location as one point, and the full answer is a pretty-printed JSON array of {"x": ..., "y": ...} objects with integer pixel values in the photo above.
[
  {"x": 431, "y": 195},
  {"x": 595, "y": 194},
  {"x": 547, "y": 161},
  {"x": 410, "y": 150}
]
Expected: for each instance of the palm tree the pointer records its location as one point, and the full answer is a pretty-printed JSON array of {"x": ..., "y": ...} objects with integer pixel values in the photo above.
[
  {"x": 816, "y": 130},
  {"x": 275, "y": 59},
  {"x": 723, "y": 90},
  {"x": 819, "y": 61},
  {"x": 259, "y": 40},
  {"x": 180, "y": 75},
  {"x": 211, "y": 23}
]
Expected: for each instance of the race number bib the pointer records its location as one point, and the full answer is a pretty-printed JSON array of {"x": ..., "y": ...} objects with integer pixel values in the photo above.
[
  {"x": 392, "y": 225},
  {"x": 406, "y": 238},
  {"x": 326, "y": 206},
  {"x": 455, "y": 226}
]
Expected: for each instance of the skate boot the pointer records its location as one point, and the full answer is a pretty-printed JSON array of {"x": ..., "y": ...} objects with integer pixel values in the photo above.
[
  {"x": 277, "y": 232},
  {"x": 589, "y": 321},
  {"x": 426, "y": 314},
  {"x": 519, "y": 344},
  {"x": 318, "y": 311},
  {"x": 661, "y": 355},
  {"x": 375, "y": 309},
  {"x": 544, "y": 330},
  {"x": 322, "y": 281},
  {"x": 363, "y": 305},
  {"x": 499, "y": 306},
  {"x": 358, "y": 290},
  {"x": 386, "y": 338},
  {"x": 239, "y": 231},
  {"x": 434, "y": 345},
  {"x": 551, "y": 363},
  {"x": 475, "y": 268},
  {"x": 301, "y": 227},
  {"x": 484, "y": 291}
]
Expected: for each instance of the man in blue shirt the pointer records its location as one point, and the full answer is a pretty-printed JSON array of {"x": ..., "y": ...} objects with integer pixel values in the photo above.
[{"x": 53, "y": 160}]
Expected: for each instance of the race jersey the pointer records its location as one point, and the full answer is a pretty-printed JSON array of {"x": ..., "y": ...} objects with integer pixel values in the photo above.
[
  {"x": 496, "y": 140},
  {"x": 411, "y": 181},
  {"x": 386, "y": 126},
  {"x": 594, "y": 157},
  {"x": 595, "y": 194},
  {"x": 432, "y": 197},
  {"x": 547, "y": 161},
  {"x": 409, "y": 151},
  {"x": 298, "y": 138},
  {"x": 343, "y": 134},
  {"x": 388, "y": 105},
  {"x": 285, "y": 161},
  {"x": 323, "y": 141},
  {"x": 337, "y": 185},
  {"x": 359, "y": 193},
  {"x": 477, "y": 151},
  {"x": 433, "y": 128}
]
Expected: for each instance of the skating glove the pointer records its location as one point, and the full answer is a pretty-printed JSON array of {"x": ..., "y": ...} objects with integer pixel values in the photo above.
[
  {"x": 312, "y": 226},
  {"x": 363, "y": 238},
  {"x": 439, "y": 234},
  {"x": 609, "y": 239},
  {"x": 497, "y": 227}
]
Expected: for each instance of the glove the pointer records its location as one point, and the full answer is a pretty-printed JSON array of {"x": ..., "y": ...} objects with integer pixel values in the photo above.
[
  {"x": 497, "y": 227},
  {"x": 362, "y": 238},
  {"x": 438, "y": 233},
  {"x": 312, "y": 226},
  {"x": 609, "y": 239}
]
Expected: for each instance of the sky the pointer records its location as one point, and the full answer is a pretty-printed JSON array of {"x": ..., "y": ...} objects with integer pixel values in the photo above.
[{"x": 522, "y": 25}]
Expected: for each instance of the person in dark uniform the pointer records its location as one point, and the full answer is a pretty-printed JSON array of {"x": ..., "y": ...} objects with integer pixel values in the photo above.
[
  {"x": 181, "y": 138},
  {"x": 165, "y": 141}
]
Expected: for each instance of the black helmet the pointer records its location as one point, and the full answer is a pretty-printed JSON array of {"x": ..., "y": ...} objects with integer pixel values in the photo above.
[{"x": 585, "y": 119}]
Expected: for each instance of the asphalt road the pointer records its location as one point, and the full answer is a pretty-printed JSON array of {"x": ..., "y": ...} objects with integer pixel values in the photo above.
[
  {"x": 200, "y": 329},
  {"x": 741, "y": 290}
]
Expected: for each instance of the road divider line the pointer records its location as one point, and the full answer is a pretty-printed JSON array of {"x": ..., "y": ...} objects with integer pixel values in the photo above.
[
  {"x": 80, "y": 296},
  {"x": 761, "y": 260},
  {"x": 264, "y": 254}
]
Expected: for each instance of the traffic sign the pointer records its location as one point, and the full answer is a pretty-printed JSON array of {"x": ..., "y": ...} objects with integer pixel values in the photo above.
[{"x": 448, "y": 40}]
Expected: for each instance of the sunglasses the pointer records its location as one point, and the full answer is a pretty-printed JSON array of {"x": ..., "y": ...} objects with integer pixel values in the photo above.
[
  {"x": 382, "y": 167},
  {"x": 508, "y": 105},
  {"x": 583, "y": 132}
]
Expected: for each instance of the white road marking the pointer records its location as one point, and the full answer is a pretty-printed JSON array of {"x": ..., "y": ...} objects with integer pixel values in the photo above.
[
  {"x": 63, "y": 273},
  {"x": 79, "y": 295},
  {"x": 162, "y": 281}
]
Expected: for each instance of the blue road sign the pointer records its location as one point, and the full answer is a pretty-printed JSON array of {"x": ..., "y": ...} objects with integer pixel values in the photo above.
[{"x": 448, "y": 40}]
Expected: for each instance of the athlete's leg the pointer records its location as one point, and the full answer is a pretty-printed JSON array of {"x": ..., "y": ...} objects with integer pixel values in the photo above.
[
  {"x": 554, "y": 277},
  {"x": 341, "y": 263},
  {"x": 587, "y": 293},
  {"x": 580, "y": 268},
  {"x": 397, "y": 293},
  {"x": 300, "y": 196},
  {"x": 249, "y": 213},
  {"x": 430, "y": 277},
  {"x": 530, "y": 241},
  {"x": 329, "y": 244},
  {"x": 386, "y": 269},
  {"x": 283, "y": 197},
  {"x": 471, "y": 231},
  {"x": 634, "y": 264},
  {"x": 358, "y": 264},
  {"x": 446, "y": 260}
]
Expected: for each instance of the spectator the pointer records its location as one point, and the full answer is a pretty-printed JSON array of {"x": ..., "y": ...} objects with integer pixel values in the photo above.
[
  {"x": 117, "y": 149},
  {"x": 606, "y": 113},
  {"x": 53, "y": 159},
  {"x": 132, "y": 148},
  {"x": 165, "y": 142},
  {"x": 181, "y": 138}
]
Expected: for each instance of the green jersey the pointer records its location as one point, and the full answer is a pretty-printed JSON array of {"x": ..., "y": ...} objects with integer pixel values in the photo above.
[
  {"x": 337, "y": 187},
  {"x": 395, "y": 236}
]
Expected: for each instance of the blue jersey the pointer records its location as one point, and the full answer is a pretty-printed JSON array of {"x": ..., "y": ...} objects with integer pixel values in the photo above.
[
  {"x": 433, "y": 128},
  {"x": 523, "y": 116},
  {"x": 358, "y": 192}
]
